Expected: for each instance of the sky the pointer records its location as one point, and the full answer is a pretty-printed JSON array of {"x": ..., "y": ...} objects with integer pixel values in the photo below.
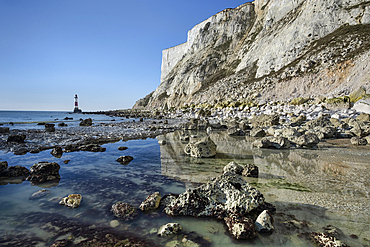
[{"x": 109, "y": 52}]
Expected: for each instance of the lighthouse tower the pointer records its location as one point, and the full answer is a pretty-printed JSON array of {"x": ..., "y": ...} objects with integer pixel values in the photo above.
[{"x": 76, "y": 109}]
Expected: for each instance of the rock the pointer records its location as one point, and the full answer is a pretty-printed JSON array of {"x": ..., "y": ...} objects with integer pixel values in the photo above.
[
  {"x": 122, "y": 148},
  {"x": 92, "y": 148},
  {"x": 15, "y": 171},
  {"x": 39, "y": 194},
  {"x": 162, "y": 142},
  {"x": 66, "y": 161},
  {"x": 114, "y": 223},
  {"x": 265, "y": 120},
  {"x": 299, "y": 101},
  {"x": 289, "y": 132},
  {"x": 319, "y": 122},
  {"x": 359, "y": 141},
  {"x": 257, "y": 132},
  {"x": 309, "y": 140},
  {"x": 272, "y": 142},
  {"x": 124, "y": 211},
  {"x": 57, "y": 152},
  {"x": 166, "y": 200},
  {"x": 357, "y": 94},
  {"x": 250, "y": 170},
  {"x": 3, "y": 166},
  {"x": 363, "y": 117},
  {"x": 264, "y": 222},
  {"x": 4, "y": 130},
  {"x": 235, "y": 132},
  {"x": 151, "y": 202},
  {"x": 224, "y": 195},
  {"x": 240, "y": 227},
  {"x": 153, "y": 231},
  {"x": 324, "y": 239},
  {"x": 21, "y": 151},
  {"x": 204, "y": 148},
  {"x": 86, "y": 122},
  {"x": 62, "y": 125},
  {"x": 125, "y": 160},
  {"x": 44, "y": 171},
  {"x": 72, "y": 201},
  {"x": 338, "y": 103},
  {"x": 49, "y": 127},
  {"x": 233, "y": 168},
  {"x": 169, "y": 229},
  {"x": 363, "y": 105},
  {"x": 16, "y": 138},
  {"x": 328, "y": 132}
]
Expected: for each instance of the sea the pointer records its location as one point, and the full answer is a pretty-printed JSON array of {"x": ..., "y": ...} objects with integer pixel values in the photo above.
[
  {"x": 313, "y": 190},
  {"x": 32, "y": 119}
]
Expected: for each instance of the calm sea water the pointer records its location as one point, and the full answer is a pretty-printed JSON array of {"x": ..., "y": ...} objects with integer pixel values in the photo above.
[
  {"x": 311, "y": 189},
  {"x": 30, "y": 119}
]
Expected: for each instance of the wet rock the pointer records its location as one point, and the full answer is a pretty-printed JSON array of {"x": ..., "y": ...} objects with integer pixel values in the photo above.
[
  {"x": 151, "y": 202},
  {"x": 204, "y": 148},
  {"x": 57, "y": 152},
  {"x": 49, "y": 127},
  {"x": 44, "y": 171},
  {"x": 15, "y": 171},
  {"x": 72, "y": 201},
  {"x": 124, "y": 211},
  {"x": 39, "y": 194},
  {"x": 122, "y": 148},
  {"x": 235, "y": 132},
  {"x": 62, "y": 125},
  {"x": 272, "y": 142},
  {"x": 166, "y": 200},
  {"x": 3, "y": 166},
  {"x": 114, "y": 223},
  {"x": 240, "y": 227},
  {"x": 21, "y": 151},
  {"x": 222, "y": 196},
  {"x": 124, "y": 160},
  {"x": 4, "y": 130},
  {"x": 359, "y": 141},
  {"x": 309, "y": 140},
  {"x": 257, "y": 132},
  {"x": 324, "y": 239},
  {"x": 233, "y": 168},
  {"x": 265, "y": 120},
  {"x": 250, "y": 170},
  {"x": 92, "y": 148},
  {"x": 264, "y": 222},
  {"x": 86, "y": 122},
  {"x": 16, "y": 138},
  {"x": 169, "y": 229}
]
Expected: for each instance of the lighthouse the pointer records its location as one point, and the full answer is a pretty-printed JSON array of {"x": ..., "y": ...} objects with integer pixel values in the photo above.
[{"x": 76, "y": 109}]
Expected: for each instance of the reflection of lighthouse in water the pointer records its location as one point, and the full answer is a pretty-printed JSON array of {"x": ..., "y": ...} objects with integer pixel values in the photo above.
[{"x": 76, "y": 109}]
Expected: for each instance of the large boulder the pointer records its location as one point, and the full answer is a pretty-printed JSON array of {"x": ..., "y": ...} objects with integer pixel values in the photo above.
[
  {"x": 86, "y": 122},
  {"x": 151, "y": 202},
  {"x": 203, "y": 148},
  {"x": 265, "y": 120},
  {"x": 223, "y": 196},
  {"x": 240, "y": 227},
  {"x": 44, "y": 171}
]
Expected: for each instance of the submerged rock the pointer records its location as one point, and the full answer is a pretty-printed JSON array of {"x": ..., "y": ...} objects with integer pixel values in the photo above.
[
  {"x": 169, "y": 229},
  {"x": 324, "y": 239},
  {"x": 40, "y": 194},
  {"x": 151, "y": 202},
  {"x": 264, "y": 222},
  {"x": 72, "y": 201},
  {"x": 44, "y": 171},
  {"x": 222, "y": 196},
  {"x": 124, "y": 211},
  {"x": 124, "y": 160},
  {"x": 204, "y": 148},
  {"x": 240, "y": 227}
]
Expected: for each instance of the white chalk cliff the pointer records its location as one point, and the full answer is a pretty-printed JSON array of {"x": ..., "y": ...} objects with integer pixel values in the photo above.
[{"x": 269, "y": 50}]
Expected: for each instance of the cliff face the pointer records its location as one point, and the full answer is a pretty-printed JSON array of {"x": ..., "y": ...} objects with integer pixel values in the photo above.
[{"x": 268, "y": 50}]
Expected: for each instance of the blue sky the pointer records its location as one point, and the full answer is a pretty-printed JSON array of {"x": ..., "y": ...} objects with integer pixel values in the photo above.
[{"x": 107, "y": 51}]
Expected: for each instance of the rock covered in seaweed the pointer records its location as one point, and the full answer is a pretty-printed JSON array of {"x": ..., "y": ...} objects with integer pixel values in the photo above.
[
  {"x": 72, "y": 201},
  {"x": 222, "y": 196},
  {"x": 124, "y": 211},
  {"x": 151, "y": 202}
]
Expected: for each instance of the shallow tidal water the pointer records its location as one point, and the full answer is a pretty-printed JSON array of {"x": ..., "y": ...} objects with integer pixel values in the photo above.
[{"x": 310, "y": 189}]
